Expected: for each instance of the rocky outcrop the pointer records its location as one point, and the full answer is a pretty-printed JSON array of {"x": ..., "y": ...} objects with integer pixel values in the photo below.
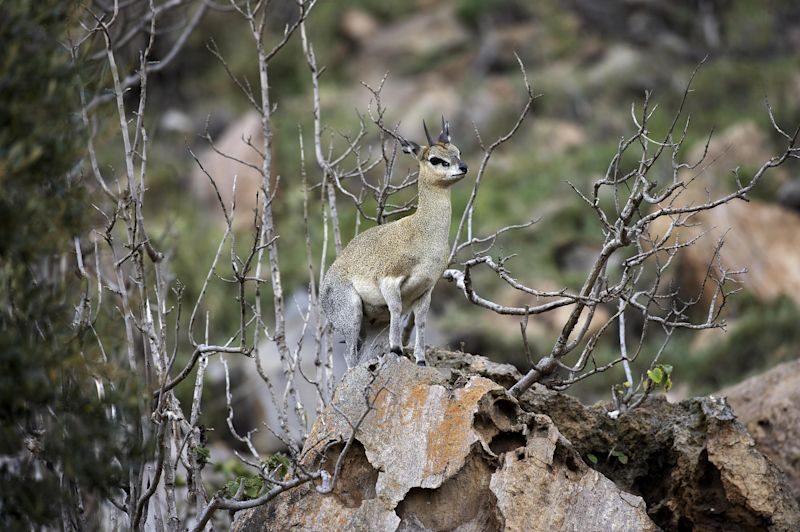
[
  {"x": 695, "y": 466},
  {"x": 467, "y": 365},
  {"x": 444, "y": 450},
  {"x": 769, "y": 405}
]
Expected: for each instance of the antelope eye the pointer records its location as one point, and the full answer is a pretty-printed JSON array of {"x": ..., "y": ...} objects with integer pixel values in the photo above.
[{"x": 435, "y": 160}]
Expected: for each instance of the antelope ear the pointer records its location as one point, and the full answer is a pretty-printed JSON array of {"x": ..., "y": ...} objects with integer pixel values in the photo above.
[{"x": 409, "y": 146}]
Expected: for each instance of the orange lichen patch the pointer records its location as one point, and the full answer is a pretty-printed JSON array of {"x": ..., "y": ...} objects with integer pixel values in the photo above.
[
  {"x": 414, "y": 405},
  {"x": 406, "y": 409},
  {"x": 449, "y": 441}
]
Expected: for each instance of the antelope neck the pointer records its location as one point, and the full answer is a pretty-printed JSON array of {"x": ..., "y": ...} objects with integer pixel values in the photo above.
[{"x": 433, "y": 209}]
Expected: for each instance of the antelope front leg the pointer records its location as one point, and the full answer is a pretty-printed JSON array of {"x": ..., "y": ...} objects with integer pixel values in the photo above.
[
  {"x": 390, "y": 289},
  {"x": 420, "y": 309}
]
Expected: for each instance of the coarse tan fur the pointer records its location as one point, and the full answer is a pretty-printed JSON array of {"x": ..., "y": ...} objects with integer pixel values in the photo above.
[{"x": 390, "y": 270}]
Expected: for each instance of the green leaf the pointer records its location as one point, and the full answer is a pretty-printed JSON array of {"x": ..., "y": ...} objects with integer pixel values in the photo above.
[
  {"x": 203, "y": 454},
  {"x": 656, "y": 374},
  {"x": 668, "y": 384},
  {"x": 278, "y": 461},
  {"x": 667, "y": 368},
  {"x": 619, "y": 455},
  {"x": 231, "y": 487},
  {"x": 252, "y": 486},
  {"x": 592, "y": 458}
]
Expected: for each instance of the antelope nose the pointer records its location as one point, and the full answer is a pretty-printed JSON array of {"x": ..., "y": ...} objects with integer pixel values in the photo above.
[{"x": 463, "y": 168}]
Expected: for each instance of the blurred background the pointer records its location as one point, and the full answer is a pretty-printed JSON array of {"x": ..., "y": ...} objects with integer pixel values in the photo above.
[{"x": 589, "y": 62}]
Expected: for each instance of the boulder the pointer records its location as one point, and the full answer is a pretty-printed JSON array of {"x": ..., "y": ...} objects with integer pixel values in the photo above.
[
  {"x": 768, "y": 405},
  {"x": 619, "y": 62},
  {"x": 763, "y": 238},
  {"x": 240, "y": 160},
  {"x": 444, "y": 450},
  {"x": 427, "y": 32},
  {"x": 357, "y": 25},
  {"x": 694, "y": 464},
  {"x": 742, "y": 144}
]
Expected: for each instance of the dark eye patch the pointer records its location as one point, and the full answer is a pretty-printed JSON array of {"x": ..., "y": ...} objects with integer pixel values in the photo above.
[{"x": 436, "y": 160}]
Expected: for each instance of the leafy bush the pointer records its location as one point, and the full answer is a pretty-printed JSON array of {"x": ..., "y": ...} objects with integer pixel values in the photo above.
[{"x": 49, "y": 404}]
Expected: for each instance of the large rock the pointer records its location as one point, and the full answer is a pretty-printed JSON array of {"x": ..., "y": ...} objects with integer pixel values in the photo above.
[
  {"x": 764, "y": 238},
  {"x": 427, "y": 32},
  {"x": 442, "y": 450},
  {"x": 761, "y": 237},
  {"x": 357, "y": 25},
  {"x": 448, "y": 449},
  {"x": 240, "y": 161},
  {"x": 696, "y": 467},
  {"x": 741, "y": 144},
  {"x": 769, "y": 405}
]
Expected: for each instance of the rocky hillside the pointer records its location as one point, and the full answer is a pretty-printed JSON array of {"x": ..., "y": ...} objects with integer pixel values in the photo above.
[
  {"x": 446, "y": 448},
  {"x": 589, "y": 62}
]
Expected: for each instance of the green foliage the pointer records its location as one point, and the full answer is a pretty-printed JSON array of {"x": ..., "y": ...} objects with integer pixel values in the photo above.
[
  {"x": 660, "y": 376},
  {"x": 748, "y": 26},
  {"x": 620, "y": 456},
  {"x": 49, "y": 400},
  {"x": 235, "y": 472},
  {"x": 252, "y": 486},
  {"x": 203, "y": 454},
  {"x": 36, "y": 90},
  {"x": 279, "y": 463}
]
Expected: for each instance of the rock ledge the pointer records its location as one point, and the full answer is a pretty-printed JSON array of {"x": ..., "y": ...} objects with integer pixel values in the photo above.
[{"x": 445, "y": 451}]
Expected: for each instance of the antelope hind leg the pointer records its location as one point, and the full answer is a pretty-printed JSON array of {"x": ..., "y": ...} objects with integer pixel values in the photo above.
[
  {"x": 420, "y": 309},
  {"x": 344, "y": 309}
]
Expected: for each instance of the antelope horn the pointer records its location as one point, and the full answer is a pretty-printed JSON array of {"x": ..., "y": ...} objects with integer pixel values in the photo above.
[
  {"x": 444, "y": 136},
  {"x": 427, "y": 135}
]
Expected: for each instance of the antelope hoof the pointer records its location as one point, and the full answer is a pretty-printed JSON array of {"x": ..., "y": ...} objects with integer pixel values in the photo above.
[
  {"x": 421, "y": 363},
  {"x": 397, "y": 351}
]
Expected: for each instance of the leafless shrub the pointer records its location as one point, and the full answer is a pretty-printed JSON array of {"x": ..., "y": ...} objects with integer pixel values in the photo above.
[
  {"x": 129, "y": 276},
  {"x": 626, "y": 202},
  {"x": 128, "y": 273}
]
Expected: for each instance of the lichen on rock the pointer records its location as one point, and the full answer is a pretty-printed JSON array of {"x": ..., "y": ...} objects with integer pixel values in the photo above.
[
  {"x": 446, "y": 448},
  {"x": 441, "y": 450}
]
